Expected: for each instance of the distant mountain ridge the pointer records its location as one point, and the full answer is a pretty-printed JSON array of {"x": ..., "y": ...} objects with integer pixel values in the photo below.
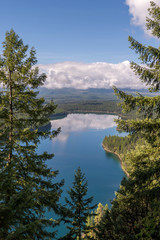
[{"x": 96, "y": 94}]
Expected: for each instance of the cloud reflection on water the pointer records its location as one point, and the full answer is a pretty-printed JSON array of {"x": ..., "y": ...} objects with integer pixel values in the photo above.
[{"x": 82, "y": 122}]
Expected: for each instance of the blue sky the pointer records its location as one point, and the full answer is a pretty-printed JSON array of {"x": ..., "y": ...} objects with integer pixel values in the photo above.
[{"x": 85, "y": 31}]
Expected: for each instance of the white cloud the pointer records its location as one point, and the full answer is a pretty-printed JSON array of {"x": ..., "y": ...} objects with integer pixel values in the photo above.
[
  {"x": 82, "y": 122},
  {"x": 139, "y": 11},
  {"x": 90, "y": 75}
]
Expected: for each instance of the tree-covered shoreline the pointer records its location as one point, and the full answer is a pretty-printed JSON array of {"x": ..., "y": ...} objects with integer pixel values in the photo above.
[
  {"x": 121, "y": 146},
  {"x": 105, "y": 147}
]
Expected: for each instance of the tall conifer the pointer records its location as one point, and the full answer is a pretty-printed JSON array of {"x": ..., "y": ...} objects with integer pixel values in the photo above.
[
  {"x": 27, "y": 185},
  {"x": 135, "y": 210},
  {"x": 79, "y": 207},
  {"x": 140, "y": 213}
]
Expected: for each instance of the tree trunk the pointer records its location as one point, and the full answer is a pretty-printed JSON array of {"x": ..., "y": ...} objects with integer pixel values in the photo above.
[
  {"x": 10, "y": 142},
  {"x": 79, "y": 228},
  {"x": 11, "y": 117}
]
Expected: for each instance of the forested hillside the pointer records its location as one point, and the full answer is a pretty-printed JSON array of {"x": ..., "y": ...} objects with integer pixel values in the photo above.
[{"x": 89, "y": 100}]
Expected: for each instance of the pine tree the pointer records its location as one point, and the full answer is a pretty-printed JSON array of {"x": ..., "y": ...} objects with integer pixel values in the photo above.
[
  {"x": 135, "y": 209},
  {"x": 90, "y": 226},
  {"x": 137, "y": 201},
  {"x": 27, "y": 187},
  {"x": 79, "y": 207},
  {"x": 105, "y": 229},
  {"x": 95, "y": 222},
  {"x": 149, "y": 72}
]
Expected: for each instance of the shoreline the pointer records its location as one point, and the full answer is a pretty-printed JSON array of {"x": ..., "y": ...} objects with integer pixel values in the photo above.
[
  {"x": 87, "y": 111},
  {"x": 96, "y": 112},
  {"x": 121, "y": 162}
]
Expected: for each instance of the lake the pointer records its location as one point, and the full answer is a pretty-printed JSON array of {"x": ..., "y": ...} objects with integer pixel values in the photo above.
[{"x": 80, "y": 144}]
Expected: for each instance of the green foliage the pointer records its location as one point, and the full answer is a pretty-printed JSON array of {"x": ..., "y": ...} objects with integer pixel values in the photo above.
[
  {"x": 89, "y": 100},
  {"x": 91, "y": 106},
  {"x": 123, "y": 146},
  {"x": 27, "y": 186},
  {"x": 105, "y": 229},
  {"x": 120, "y": 145},
  {"x": 135, "y": 210},
  {"x": 153, "y": 22},
  {"x": 94, "y": 220},
  {"x": 79, "y": 206}
]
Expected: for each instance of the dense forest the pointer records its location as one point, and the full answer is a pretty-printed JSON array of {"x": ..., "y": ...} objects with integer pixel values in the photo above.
[
  {"x": 28, "y": 187},
  {"x": 89, "y": 100},
  {"x": 101, "y": 107},
  {"x": 121, "y": 146},
  {"x": 93, "y": 101},
  {"x": 91, "y": 106}
]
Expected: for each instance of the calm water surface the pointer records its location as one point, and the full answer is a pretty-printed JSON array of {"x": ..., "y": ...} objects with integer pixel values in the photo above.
[{"x": 80, "y": 144}]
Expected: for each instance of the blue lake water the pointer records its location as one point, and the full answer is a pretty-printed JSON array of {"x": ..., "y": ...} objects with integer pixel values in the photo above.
[{"x": 80, "y": 144}]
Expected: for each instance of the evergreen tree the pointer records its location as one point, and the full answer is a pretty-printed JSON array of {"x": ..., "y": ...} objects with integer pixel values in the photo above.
[
  {"x": 95, "y": 222},
  {"x": 104, "y": 230},
  {"x": 90, "y": 226},
  {"x": 99, "y": 213},
  {"x": 27, "y": 187},
  {"x": 149, "y": 72},
  {"x": 79, "y": 207},
  {"x": 92, "y": 221},
  {"x": 141, "y": 192},
  {"x": 135, "y": 210}
]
